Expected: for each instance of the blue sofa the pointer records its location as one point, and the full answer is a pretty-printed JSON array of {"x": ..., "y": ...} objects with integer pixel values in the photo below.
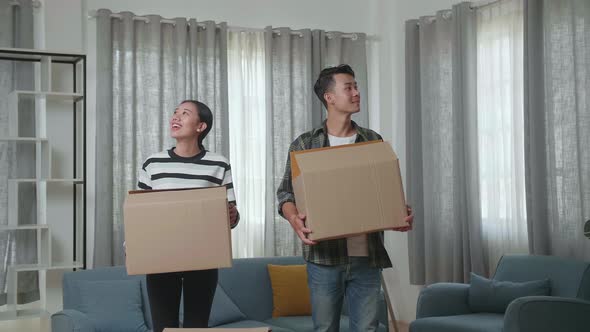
[
  {"x": 445, "y": 307},
  {"x": 243, "y": 299}
]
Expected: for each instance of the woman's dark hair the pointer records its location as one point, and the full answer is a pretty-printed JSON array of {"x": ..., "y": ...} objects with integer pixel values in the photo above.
[{"x": 205, "y": 115}]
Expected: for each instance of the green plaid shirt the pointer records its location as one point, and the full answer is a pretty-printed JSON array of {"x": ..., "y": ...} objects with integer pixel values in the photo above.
[{"x": 331, "y": 252}]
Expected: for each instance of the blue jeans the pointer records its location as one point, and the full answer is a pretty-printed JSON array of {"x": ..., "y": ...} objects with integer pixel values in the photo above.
[{"x": 329, "y": 284}]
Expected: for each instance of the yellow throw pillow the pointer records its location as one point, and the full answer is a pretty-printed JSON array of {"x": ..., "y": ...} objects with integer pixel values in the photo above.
[{"x": 290, "y": 293}]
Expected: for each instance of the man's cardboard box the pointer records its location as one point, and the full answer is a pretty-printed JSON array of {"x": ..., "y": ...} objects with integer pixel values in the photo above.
[
  {"x": 177, "y": 230},
  {"x": 349, "y": 189},
  {"x": 250, "y": 329}
]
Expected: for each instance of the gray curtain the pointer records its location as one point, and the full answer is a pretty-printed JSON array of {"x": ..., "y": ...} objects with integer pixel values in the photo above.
[
  {"x": 557, "y": 126},
  {"x": 289, "y": 77},
  {"x": 144, "y": 69},
  {"x": 293, "y": 61},
  {"x": 17, "y": 160},
  {"x": 442, "y": 171}
]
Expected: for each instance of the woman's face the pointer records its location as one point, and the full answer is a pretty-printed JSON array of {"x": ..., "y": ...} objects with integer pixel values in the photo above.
[{"x": 185, "y": 122}]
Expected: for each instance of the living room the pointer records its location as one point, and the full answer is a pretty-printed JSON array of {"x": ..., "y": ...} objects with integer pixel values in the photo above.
[{"x": 484, "y": 104}]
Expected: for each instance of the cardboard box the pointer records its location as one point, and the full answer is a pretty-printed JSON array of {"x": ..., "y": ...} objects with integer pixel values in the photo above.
[
  {"x": 349, "y": 189},
  {"x": 177, "y": 230},
  {"x": 251, "y": 329}
]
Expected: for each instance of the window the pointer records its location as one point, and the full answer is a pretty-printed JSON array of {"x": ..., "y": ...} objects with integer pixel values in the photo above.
[
  {"x": 500, "y": 105},
  {"x": 247, "y": 121}
]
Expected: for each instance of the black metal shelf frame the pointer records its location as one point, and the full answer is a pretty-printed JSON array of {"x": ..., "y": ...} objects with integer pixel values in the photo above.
[{"x": 15, "y": 54}]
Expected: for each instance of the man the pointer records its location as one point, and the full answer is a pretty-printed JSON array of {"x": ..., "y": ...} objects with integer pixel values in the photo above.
[{"x": 350, "y": 266}]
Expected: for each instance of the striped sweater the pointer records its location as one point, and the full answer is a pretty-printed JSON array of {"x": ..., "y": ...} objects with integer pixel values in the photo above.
[{"x": 167, "y": 170}]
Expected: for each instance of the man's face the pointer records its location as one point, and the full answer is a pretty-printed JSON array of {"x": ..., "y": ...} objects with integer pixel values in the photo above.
[{"x": 344, "y": 95}]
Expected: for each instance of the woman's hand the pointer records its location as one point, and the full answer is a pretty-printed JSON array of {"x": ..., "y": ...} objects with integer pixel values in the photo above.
[{"x": 233, "y": 214}]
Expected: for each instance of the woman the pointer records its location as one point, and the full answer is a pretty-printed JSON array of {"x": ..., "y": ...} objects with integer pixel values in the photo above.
[{"x": 187, "y": 165}]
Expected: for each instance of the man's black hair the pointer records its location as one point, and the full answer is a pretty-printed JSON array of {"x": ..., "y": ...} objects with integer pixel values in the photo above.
[{"x": 326, "y": 80}]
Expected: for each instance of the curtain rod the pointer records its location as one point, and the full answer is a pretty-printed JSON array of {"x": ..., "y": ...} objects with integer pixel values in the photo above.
[
  {"x": 473, "y": 5},
  {"x": 16, "y": 3},
  {"x": 483, "y": 3},
  {"x": 330, "y": 35},
  {"x": 94, "y": 14},
  {"x": 274, "y": 31}
]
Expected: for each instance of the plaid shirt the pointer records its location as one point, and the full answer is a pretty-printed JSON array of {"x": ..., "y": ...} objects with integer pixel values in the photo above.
[{"x": 331, "y": 252}]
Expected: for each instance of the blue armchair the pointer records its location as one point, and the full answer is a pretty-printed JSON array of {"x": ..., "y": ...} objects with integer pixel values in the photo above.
[{"x": 445, "y": 307}]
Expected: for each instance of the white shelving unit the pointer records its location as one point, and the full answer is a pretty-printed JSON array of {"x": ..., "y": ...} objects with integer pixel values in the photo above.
[{"x": 45, "y": 61}]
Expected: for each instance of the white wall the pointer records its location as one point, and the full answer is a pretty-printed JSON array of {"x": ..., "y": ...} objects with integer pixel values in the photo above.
[{"x": 67, "y": 27}]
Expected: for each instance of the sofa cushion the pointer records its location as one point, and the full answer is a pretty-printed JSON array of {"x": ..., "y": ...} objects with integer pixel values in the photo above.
[
  {"x": 488, "y": 295},
  {"x": 290, "y": 293},
  {"x": 113, "y": 305},
  {"x": 71, "y": 296},
  {"x": 249, "y": 276},
  {"x": 224, "y": 310},
  {"x": 481, "y": 322},
  {"x": 569, "y": 277}
]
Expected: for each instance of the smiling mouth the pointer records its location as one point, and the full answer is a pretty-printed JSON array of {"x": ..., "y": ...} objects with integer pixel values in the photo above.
[{"x": 176, "y": 126}]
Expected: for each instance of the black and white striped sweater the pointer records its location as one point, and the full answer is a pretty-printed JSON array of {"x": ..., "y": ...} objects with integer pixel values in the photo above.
[{"x": 167, "y": 170}]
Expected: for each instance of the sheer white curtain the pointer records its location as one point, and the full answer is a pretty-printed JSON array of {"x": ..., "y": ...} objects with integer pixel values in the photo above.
[
  {"x": 501, "y": 129},
  {"x": 247, "y": 120}
]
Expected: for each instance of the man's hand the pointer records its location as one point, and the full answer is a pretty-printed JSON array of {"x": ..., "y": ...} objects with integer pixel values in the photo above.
[
  {"x": 409, "y": 220},
  {"x": 297, "y": 221},
  {"x": 233, "y": 214}
]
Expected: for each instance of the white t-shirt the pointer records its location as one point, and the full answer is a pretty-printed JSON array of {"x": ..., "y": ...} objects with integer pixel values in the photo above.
[{"x": 357, "y": 245}]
